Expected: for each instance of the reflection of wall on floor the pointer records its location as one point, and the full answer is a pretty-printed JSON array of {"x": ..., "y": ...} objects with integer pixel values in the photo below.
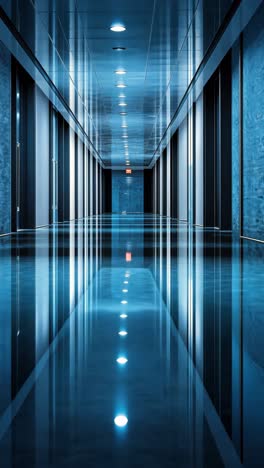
[{"x": 127, "y": 192}]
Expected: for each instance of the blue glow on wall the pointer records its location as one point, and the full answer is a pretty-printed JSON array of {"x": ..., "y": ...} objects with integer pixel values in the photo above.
[
  {"x": 127, "y": 192},
  {"x": 5, "y": 141},
  {"x": 253, "y": 128}
]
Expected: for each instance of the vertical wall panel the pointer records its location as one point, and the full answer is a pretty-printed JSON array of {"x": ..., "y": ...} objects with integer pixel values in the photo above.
[
  {"x": 91, "y": 184},
  {"x": 164, "y": 182},
  {"x": 253, "y": 128},
  {"x": 148, "y": 191},
  {"x": 86, "y": 198},
  {"x": 161, "y": 188},
  {"x": 5, "y": 141},
  {"x": 168, "y": 179},
  {"x": 199, "y": 161},
  {"x": 107, "y": 191},
  {"x": 42, "y": 158},
  {"x": 235, "y": 139},
  {"x": 182, "y": 171},
  {"x": 80, "y": 178},
  {"x": 72, "y": 173},
  {"x": 174, "y": 176}
]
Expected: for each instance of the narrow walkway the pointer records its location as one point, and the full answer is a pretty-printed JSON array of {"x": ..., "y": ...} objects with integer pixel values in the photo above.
[{"x": 117, "y": 359}]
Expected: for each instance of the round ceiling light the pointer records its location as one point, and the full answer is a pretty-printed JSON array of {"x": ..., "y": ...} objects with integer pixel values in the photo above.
[
  {"x": 118, "y": 27},
  {"x": 120, "y": 72}
]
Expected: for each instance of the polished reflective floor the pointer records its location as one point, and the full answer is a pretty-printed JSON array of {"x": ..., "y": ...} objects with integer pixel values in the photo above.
[{"x": 131, "y": 341}]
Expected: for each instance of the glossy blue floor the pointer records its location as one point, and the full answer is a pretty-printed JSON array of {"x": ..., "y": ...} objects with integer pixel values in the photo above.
[{"x": 131, "y": 341}]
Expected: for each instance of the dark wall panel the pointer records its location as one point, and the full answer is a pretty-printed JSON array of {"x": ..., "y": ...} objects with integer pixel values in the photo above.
[
  {"x": 107, "y": 191},
  {"x": 174, "y": 178},
  {"x": 148, "y": 191},
  {"x": 164, "y": 183}
]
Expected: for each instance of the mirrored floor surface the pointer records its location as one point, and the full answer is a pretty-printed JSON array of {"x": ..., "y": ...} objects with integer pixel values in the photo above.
[{"x": 131, "y": 341}]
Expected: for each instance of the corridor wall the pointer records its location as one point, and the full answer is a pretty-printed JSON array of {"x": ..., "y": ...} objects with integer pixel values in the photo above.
[
  {"x": 127, "y": 192},
  {"x": 42, "y": 155},
  {"x": 182, "y": 171},
  {"x": 198, "y": 163},
  {"x": 253, "y": 128},
  {"x": 5, "y": 140},
  {"x": 45, "y": 165}
]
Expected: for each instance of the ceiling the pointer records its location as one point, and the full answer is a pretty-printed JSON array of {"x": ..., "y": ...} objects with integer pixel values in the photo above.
[{"x": 165, "y": 42}]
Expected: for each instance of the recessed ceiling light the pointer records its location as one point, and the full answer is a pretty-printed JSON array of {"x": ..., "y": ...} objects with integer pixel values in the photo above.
[
  {"x": 122, "y": 104},
  {"x": 123, "y": 126},
  {"x": 123, "y": 302},
  {"x": 119, "y": 48},
  {"x": 121, "y": 85},
  {"x": 123, "y": 316},
  {"x": 121, "y": 420},
  {"x": 122, "y": 96},
  {"x": 124, "y": 290},
  {"x": 122, "y": 333},
  {"x": 124, "y": 136},
  {"x": 120, "y": 72},
  {"x": 123, "y": 113},
  {"x": 118, "y": 27}
]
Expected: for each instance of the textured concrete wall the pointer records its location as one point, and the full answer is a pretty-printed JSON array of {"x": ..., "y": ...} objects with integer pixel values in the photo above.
[
  {"x": 127, "y": 192},
  {"x": 253, "y": 128},
  {"x": 235, "y": 140},
  {"x": 5, "y": 140}
]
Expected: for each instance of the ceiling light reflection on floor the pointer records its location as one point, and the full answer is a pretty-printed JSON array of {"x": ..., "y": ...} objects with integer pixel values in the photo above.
[
  {"x": 121, "y": 420},
  {"x": 118, "y": 49},
  {"x": 121, "y": 360},
  {"x": 120, "y": 72}
]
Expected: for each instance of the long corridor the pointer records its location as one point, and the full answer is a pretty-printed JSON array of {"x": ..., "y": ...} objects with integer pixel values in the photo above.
[
  {"x": 131, "y": 233},
  {"x": 130, "y": 341}
]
